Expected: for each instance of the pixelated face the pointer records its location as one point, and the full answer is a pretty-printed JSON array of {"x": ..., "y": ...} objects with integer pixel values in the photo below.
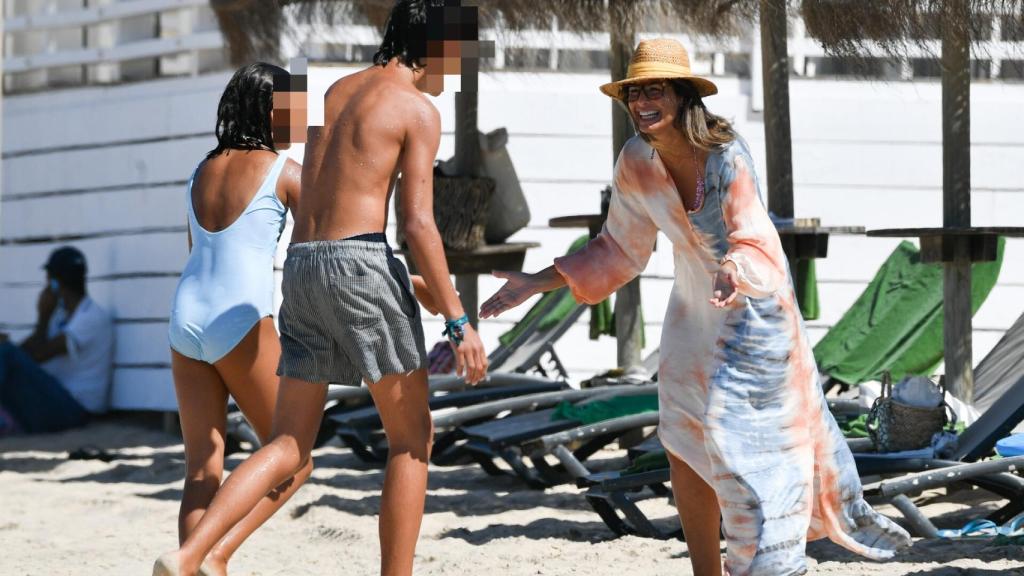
[
  {"x": 453, "y": 47},
  {"x": 652, "y": 105},
  {"x": 444, "y": 58},
  {"x": 288, "y": 117}
]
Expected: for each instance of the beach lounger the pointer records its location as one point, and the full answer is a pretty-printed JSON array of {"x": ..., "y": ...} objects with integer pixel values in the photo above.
[
  {"x": 362, "y": 431},
  {"x": 615, "y": 495},
  {"x": 533, "y": 350},
  {"x": 512, "y": 439},
  {"x": 997, "y": 476},
  {"x": 1001, "y": 368},
  {"x": 527, "y": 348},
  {"x": 1004, "y": 413},
  {"x": 451, "y": 427}
]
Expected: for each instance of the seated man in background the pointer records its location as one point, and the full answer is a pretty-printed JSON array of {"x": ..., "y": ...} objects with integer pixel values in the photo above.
[{"x": 61, "y": 373}]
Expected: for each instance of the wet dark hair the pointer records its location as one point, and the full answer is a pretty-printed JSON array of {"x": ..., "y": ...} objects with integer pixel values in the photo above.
[
  {"x": 243, "y": 115},
  {"x": 405, "y": 34},
  {"x": 413, "y": 23}
]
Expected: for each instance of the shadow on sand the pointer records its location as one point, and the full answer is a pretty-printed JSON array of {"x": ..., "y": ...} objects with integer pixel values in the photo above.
[
  {"x": 543, "y": 529},
  {"x": 115, "y": 436},
  {"x": 929, "y": 551}
]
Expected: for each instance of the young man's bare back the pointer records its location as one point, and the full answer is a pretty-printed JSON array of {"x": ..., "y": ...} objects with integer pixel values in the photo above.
[{"x": 351, "y": 162}]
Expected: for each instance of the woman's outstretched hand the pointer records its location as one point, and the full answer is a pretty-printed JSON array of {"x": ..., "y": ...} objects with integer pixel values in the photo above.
[
  {"x": 724, "y": 289},
  {"x": 518, "y": 287}
]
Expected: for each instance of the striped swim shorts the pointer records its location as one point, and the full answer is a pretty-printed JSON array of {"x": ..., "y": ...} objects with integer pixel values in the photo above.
[{"x": 349, "y": 313}]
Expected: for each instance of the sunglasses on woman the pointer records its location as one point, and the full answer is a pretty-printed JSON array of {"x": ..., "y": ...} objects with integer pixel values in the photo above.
[{"x": 651, "y": 91}]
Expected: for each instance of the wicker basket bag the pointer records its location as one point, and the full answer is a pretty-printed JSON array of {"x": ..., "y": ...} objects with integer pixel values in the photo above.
[
  {"x": 894, "y": 426},
  {"x": 460, "y": 210}
]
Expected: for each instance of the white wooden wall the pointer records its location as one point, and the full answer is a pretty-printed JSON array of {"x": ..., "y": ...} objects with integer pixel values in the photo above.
[{"x": 105, "y": 169}]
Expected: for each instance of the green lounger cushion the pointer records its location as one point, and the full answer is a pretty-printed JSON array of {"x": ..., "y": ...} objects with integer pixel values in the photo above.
[
  {"x": 601, "y": 410},
  {"x": 896, "y": 323},
  {"x": 657, "y": 460}
]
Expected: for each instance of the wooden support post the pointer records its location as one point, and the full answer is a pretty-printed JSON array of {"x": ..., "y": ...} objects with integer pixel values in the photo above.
[
  {"x": 956, "y": 199},
  {"x": 467, "y": 141},
  {"x": 621, "y": 52},
  {"x": 628, "y": 319},
  {"x": 467, "y": 163},
  {"x": 957, "y": 328},
  {"x": 777, "y": 133},
  {"x": 778, "y": 140},
  {"x": 466, "y": 284}
]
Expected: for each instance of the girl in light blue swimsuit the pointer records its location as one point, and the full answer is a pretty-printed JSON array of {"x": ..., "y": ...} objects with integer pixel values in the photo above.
[
  {"x": 228, "y": 283},
  {"x": 222, "y": 337}
]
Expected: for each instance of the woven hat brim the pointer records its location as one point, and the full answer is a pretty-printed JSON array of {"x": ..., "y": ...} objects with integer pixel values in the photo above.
[{"x": 704, "y": 86}]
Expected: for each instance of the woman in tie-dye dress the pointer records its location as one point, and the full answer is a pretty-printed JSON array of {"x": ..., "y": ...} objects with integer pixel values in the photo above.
[{"x": 742, "y": 414}]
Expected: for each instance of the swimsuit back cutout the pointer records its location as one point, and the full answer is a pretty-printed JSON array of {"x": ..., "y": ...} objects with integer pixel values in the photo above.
[
  {"x": 228, "y": 282},
  {"x": 262, "y": 210}
]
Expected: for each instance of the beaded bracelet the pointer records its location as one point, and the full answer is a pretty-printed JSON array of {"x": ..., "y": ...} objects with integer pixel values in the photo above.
[{"x": 454, "y": 331}]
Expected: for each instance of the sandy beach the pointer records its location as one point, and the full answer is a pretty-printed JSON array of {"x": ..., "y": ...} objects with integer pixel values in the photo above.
[{"x": 88, "y": 517}]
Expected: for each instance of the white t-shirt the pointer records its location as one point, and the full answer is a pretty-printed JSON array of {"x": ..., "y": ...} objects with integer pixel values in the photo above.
[{"x": 85, "y": 369}]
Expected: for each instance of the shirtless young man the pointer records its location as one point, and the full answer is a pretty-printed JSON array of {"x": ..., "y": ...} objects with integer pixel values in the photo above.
[{"x": 348, "y": 313}]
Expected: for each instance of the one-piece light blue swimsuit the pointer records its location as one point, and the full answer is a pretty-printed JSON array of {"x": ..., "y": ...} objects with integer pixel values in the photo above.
[{"x": 228, "y": 282}]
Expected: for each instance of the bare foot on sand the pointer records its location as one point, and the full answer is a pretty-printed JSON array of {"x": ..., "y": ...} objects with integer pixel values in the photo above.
[
  {"x": 167, "y": 565},
  {"x": 214, "y": 566}
]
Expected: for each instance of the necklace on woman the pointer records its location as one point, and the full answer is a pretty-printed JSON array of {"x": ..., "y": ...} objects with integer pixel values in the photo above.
[{"x": 698, "y": 198}]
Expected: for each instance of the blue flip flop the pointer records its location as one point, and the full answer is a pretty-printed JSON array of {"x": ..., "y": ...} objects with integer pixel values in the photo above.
[
  {"x": 978, "y": 528},
  {"x": 1013, "y": 528}
]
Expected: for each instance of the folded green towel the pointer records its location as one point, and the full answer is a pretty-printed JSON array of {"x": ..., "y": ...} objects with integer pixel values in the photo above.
[
  {"x": 855, "y": 428},
  {"x": 657, "y": 460},
  {"x": 601, "y": 410},
  {"x": 896, "y": 323},
  {"x": 602, "y": 320}
]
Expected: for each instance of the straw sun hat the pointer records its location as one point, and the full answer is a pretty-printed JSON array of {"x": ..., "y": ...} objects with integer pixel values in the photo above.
[{"x": 660, "y": 59}]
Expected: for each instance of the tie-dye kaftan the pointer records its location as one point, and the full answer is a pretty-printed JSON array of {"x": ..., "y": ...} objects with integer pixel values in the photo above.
[{"x": 740, "y": 400}]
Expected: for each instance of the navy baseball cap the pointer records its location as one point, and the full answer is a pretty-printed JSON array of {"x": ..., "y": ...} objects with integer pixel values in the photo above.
[{"x": 66, "y": 261}]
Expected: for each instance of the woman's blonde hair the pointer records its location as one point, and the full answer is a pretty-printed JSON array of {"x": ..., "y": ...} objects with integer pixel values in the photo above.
[{"x": 706, "y": 130}]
